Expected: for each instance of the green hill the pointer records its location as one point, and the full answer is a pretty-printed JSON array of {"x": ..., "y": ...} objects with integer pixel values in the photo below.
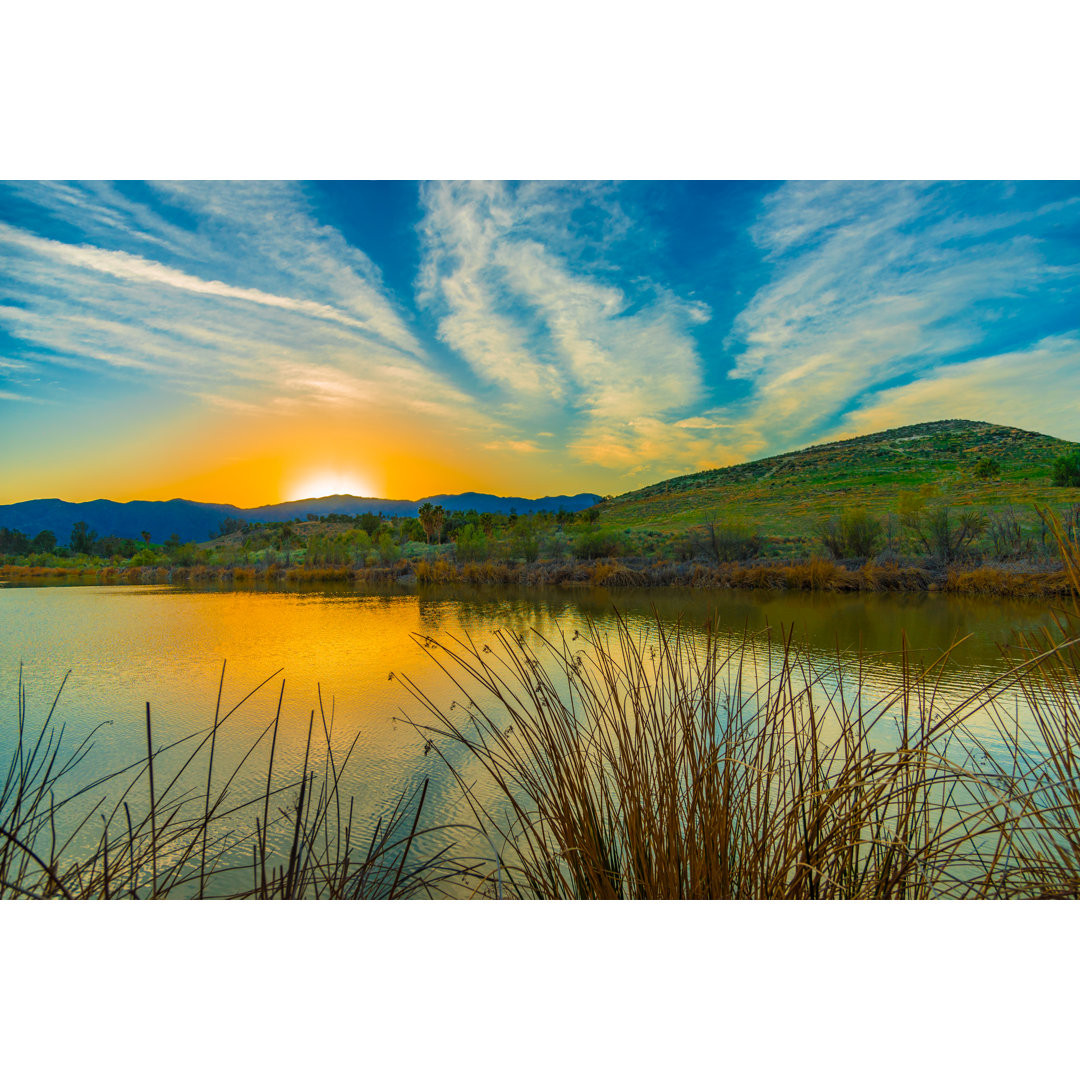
[{"x": 785, "y": 497}]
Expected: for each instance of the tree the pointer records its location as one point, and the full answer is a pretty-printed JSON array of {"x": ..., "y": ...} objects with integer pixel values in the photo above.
[
  {"x": 82, "y": 538},
  {"x": 986, "y": 468},
  {"x": 432, "y": 518},
  {"x": 231, "y": 525},
  {"x": 13, "y": 542},
  {"x": 526, "y": 543},
  {"x": 471, "y": 543},
  {"x": 44, "y": 542}
]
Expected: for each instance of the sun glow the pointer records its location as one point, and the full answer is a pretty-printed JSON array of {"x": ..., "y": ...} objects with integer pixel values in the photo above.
[{"x": 318, "y": 485}]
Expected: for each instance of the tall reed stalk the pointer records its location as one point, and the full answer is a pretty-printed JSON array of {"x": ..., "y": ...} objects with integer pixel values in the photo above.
[
  {"x": 186, "y": 841},
  {"x": 671, "y": 764}
]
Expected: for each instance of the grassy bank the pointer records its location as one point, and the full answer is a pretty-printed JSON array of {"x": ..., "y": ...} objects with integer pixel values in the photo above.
[{"x": 813, "y": 574}]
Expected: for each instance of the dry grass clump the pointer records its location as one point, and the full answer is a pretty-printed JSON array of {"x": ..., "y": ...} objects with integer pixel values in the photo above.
[
  {"x": 891, "y": 577},
  {"x": 994, "y": 581},
  {"x": 608, "y": 574},
  {"x": 665, "y": 766},
  {"x": 438, "y": 572},
  {"x": 297, "y": 574},
  {"x": 19, "y": 572},
  {"x": 174, "y": 834},
  {"x": 485, "y": 573},
  {"x": 650, "y": 768}
]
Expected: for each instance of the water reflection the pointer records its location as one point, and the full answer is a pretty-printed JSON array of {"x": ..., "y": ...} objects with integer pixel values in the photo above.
[{"x": 128, "y": 645}]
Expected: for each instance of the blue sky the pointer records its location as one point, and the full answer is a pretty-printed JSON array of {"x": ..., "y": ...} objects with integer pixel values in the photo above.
[{"x": 238, "y": 342}]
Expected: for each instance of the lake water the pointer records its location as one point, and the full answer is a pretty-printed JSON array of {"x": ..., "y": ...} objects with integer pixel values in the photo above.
[{"x": 124, "y": 646}]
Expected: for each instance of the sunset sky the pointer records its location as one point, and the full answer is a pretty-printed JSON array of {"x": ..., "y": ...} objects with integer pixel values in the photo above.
[{"x": 251, "y": 343}]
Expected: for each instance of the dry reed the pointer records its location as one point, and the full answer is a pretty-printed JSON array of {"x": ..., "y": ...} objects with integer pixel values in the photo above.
[
  {"x": 161, "y": 838},
  {"x": 667, "y": 766}
]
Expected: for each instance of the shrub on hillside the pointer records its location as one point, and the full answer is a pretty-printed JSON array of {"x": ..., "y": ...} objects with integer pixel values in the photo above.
[
  {"x": 597, "y": 544},
  {"x": 854, "y": 535},
  {"x": 945, "y": 533},
  {"x": 1066, "y": 472},
  {"x": 727, "y": 541}
]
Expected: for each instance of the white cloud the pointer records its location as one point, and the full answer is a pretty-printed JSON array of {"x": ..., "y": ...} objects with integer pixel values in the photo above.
[
  {"x": 871, "y": 284},
  {"x": 326, "y": 328},
  {"x": 1036, "y": 388},
  {"x": 552, "y": 331},
  {"x": 136, "y": 269}
]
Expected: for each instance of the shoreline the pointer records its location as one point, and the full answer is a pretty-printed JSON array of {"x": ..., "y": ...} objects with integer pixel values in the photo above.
[{"x": 810, "y": 575}]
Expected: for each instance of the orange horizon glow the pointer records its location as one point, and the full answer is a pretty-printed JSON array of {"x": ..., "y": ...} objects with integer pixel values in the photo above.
[{"x": 295, "y": 472}]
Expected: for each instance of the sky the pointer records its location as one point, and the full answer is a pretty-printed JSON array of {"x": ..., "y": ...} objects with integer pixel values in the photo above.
[{"x": 249, "y": 343}]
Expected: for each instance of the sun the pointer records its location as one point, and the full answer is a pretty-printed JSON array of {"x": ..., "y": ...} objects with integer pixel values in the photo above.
[{"x": 317, "y": 485}]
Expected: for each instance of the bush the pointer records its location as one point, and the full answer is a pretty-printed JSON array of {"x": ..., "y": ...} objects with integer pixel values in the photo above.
[
  {"x": 1066, "y": 471},
  {"x": 727, "y": 541},
  {"x": 597, "y": 544},
  {"x": 471, "y": 543},
  {"x": 855, "y": 535},
  {"x": 1007, "y": 534},
  {"x": 388, "y": 550},
  {"x": 945, "y": 533},
  {"x": 525, "y": 541},
  {"x": 987, "y": 468}
]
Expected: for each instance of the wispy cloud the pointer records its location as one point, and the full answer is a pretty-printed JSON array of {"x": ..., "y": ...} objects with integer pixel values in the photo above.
[
  {"x": 1035, "y": 388},
  {"x": 873, "y": 285},
  {"x": 515, "y": 446},
  {"x": 516, "y": 297},
  {"x": 10, "y": 395},
  {"x": 324, "y": 331}
]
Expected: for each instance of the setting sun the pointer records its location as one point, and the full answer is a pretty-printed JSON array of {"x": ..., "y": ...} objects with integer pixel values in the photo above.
[{"x": 328, "y": 482}]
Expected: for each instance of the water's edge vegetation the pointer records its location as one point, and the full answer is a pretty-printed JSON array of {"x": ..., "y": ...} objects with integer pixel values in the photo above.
[
  {"x": 813, "y": 574},
  {"x": 626, "y": 768}
]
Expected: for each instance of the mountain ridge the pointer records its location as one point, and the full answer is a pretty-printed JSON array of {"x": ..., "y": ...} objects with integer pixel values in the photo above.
[{"x": 197, "y": 521}]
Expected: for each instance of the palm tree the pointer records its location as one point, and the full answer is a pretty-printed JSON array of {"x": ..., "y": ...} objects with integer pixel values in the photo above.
[{"x": 432, "y": 518}]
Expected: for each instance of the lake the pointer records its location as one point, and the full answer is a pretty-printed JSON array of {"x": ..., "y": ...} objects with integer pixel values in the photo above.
[{"x": 126, "y": 645}]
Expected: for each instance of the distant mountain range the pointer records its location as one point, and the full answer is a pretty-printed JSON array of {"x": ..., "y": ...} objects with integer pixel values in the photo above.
[{"x": 198, "y": 521}]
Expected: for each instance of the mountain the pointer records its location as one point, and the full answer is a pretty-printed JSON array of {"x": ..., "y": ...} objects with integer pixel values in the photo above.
[
  {"x": 785, "y": 495},
  {"x": 189, "y": 520},
  {"x": 198, "y": 521}
]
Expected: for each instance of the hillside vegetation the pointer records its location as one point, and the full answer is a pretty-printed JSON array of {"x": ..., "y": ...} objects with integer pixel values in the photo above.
[{"x": 787, "y": 497}]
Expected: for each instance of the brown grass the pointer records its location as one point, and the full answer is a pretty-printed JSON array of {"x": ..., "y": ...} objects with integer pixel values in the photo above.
[
  {"x": 813, "y": 574},
  {"x": 993, "y": 581},
  {"x": 663, "y": 766},
  {"x": 158, "y": 840}
]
